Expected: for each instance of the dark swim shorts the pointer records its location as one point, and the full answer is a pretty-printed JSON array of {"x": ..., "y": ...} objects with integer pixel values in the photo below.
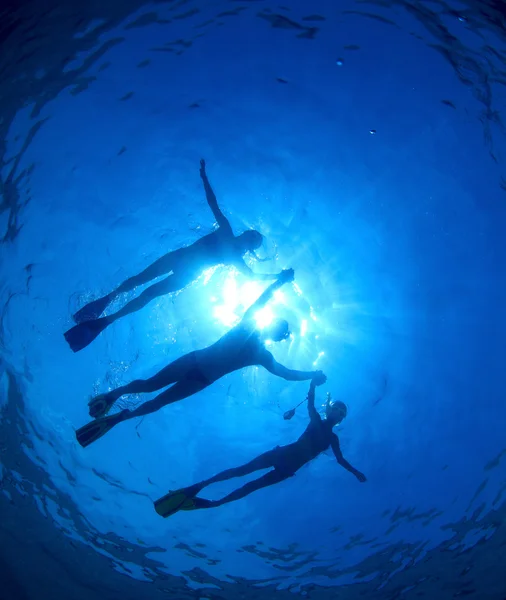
[
  {"x": 286, "y": 460},
  {"x": 194, "y": 373}
]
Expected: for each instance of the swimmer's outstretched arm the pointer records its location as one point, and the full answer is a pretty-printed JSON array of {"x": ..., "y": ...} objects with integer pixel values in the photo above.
[
  {"x": 284, "y": 277},
  {"x": 336, "y": 448},
  {"x": 211, "y": 198},
  {"x": 245, "y": 270},
  {"x": 272, "y": 365}
]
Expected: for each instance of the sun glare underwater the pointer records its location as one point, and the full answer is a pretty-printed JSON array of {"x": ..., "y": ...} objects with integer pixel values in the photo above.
[{"x": 344, "y": 438}]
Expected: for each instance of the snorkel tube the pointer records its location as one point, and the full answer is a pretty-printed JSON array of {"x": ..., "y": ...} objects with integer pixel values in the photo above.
[{"x": 328, "y": 404}]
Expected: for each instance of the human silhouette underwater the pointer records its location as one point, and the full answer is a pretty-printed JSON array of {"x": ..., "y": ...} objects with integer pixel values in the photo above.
[
  {"x": 220, "y": 246},
  {"x": 242, "y": 346},
  {"x": 284, "y": 461}
]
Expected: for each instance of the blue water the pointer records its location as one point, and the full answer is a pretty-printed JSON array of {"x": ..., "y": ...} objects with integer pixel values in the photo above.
[{"x": 365, "y": 142}]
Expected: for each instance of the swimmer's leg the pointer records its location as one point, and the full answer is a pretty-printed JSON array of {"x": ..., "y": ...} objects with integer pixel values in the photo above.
[
  {"x": 172, "y": 283},
  {"x": 270, "y": 478},
  {"x": 81, "y": 335},
  {"x": 176, "y": 370},
  {"x": 98, "y": 428},
  {"x": 162, "y": 266},
  {"x": 184, "y": 499},
  {"x": 264, "y": 461},
  {"x": 180, "y": 390}
]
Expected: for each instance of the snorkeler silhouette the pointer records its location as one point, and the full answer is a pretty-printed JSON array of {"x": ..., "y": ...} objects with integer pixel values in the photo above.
[
  {"x": 186, "y": 264},
  {"x": 242, "y": 346},
  {"x": 284, "y": 461}
]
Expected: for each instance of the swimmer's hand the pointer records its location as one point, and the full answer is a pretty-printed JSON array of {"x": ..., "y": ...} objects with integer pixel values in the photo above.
[
  {"x": 203, "y": 173},
  {"x": 360, "y": 476},
  {"x": 319, "y": 378},
  {"x": 286, "y": 275}
]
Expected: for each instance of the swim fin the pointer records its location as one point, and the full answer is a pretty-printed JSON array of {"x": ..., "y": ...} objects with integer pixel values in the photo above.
[
  {"x": 83, "y": 334},
  {"x": 100, "y": 405},
  {"x": 93, "y": 310},
  {"x": 96, "y": 429},
  {"x": 183, "y": 499},
  {"x": 173, "y": 502}
]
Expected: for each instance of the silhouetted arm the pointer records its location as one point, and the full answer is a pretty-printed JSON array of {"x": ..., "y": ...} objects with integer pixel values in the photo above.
[
  {"x": 284, "y": 277},
  {"x": 336, "y": 448},
  {"x": 313, "y": 413},
  {"x": 319, "y": 378},
  {"x": 245, "y": 270},
  {"x": 279, "y": 370},
  {"x": 211, "y": 199}
]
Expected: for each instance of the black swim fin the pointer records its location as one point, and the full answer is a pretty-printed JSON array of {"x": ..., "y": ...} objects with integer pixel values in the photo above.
[
  {"x": 173, "y": 502},
  {"x": 100, "y": 405},
  {"x": 96, "y": 429},
  {"x": 92, "y": 310},
  {"x": 83, "y": 334}
]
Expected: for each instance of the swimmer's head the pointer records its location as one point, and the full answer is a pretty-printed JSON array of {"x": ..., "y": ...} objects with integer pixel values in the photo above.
[
  {"x": 335, "y": 411},
  {"x": 277, "y": 331},
  {"x": 250, "y": 240}
]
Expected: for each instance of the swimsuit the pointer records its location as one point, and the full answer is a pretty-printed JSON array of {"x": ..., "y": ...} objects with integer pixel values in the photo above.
[
  {"x": 194, "y": 373},
  {"x": 289, "y": 459},
  {"x": 286, "y": 461}
]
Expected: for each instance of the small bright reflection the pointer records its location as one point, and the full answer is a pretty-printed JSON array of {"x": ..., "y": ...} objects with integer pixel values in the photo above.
[
  {"x": 279, "y": 296},
  {"x": 238, "y": 298},
  {"x": 297, "y": 289},
  {"x": 225, "y": 315},
  {"x": 264, "y": 317},
  {"x": 320, "y": 354},
  {"x": 303, "y": 327},
  {"x": 249, "y": 292},
  {"x": 208, "y": 273}
]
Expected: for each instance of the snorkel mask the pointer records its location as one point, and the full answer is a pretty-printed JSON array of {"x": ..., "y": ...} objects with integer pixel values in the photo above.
[{"x": 335, "y": 411}]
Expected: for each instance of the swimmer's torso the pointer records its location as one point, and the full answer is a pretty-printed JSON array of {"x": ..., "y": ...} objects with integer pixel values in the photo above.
[
  {"x": 212, "y": 249},
  {"x": 316, "y": 439},
  {"x": 239, "y": 348}
]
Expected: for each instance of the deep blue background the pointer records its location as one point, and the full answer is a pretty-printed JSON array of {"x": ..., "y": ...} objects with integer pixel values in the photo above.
[{"x": 397, "y": 240}]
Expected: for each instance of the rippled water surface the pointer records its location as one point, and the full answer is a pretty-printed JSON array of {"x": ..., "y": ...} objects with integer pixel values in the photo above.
[{"x": 365, "y": 140}]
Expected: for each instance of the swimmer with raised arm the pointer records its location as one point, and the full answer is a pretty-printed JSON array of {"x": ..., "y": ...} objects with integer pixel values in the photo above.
[
  {"x": 284, "y": 461},
  {"x": 186, "y": 264},
  {"x": 242, "y": 346}
]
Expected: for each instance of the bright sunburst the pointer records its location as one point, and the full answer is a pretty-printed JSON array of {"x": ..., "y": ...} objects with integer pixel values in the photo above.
[{"x": 235, "y": 298}]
